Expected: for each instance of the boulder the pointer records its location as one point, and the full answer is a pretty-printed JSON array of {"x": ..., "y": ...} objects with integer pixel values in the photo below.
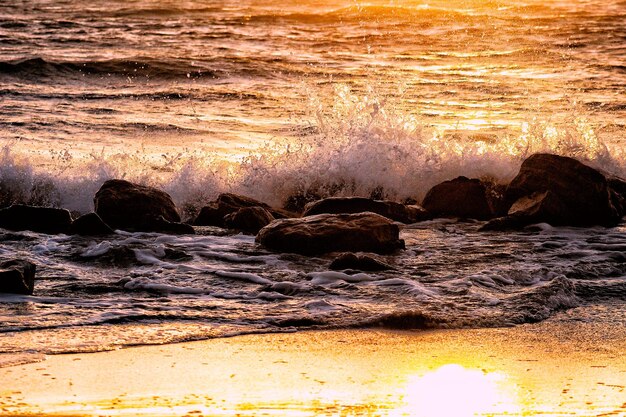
[
  {"x": 461, "y": 197},
  {"x": 618, "y": 189},
  {"x": 392, "y": 210},
  {"x": 249, "y": 219},
  {"x": 127, "y": 206},
  {"x": 583, "y": 193},
  {"x": 90, "y": 225},
  {"x": 17, "y": 277},
  {"x": 37, "y": 219},
  {"x": 358, "y": 261},
  {"x": 323, "y": 233},
  {"x": 543, "y": 207},
  {"x": 213, "y": 214}
]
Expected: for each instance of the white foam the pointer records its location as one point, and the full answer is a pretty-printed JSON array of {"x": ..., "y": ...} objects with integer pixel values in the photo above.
[
  {"x": 329, "y": 277},
  {"x": 244, "y": 276}
]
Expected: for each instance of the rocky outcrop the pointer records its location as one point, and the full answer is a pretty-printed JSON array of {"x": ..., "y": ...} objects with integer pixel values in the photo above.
[
  {"x": 249, "y": 219},
  {"x": 90, "y": 225},
  {"x": 214, "y": 213},
  {"x": 560, "y": 191},
  {"x": 17, "y": 277},
  {"x": 358, "y": 261},
  {"x": 323, "y": 233},
  {"x": 461, "y": 197},
  {"x": 347, "y": 205},
  {"x": 133, "y": 207},
  {"x": 36, "y": 219}
]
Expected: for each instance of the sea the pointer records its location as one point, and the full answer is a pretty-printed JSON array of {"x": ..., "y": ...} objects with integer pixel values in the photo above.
[{"x": 272, "y": 99}]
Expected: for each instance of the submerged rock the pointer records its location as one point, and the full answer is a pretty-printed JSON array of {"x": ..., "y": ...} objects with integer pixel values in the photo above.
[
  {"x": 214, "y": 213},
  {"x": 461, "y": 197},
  {"x": 323, "y": 233},
  {"x": 392, "y": 210},
  {"x": 90, "y": 225},
  {"x": 249, "y": 219},
  {"x": 359, "y": 261},
  {"x": 127, "y": 206},
  {"x": 560, "y": 191},
  {"x": 36, "y": 219},
  {"x": 17, "y": 277}
]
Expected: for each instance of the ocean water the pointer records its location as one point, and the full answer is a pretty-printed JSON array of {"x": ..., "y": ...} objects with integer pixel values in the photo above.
[{"x": 268, "y": 99}]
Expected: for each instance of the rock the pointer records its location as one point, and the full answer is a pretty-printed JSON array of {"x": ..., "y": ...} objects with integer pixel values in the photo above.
[
  {"x": 249, "y": 219},
  {"x": 461, "y": 197},
  {"x": 536, "y": 208},
  {"x": 323, "y": 233},
  {"x": 90, "y": 225},
  {"x": 346, "y": 205},
  {"x": 213, "y": 214},
  {"x": 161, "y": 225},
  {"x": 127, "y": 206},
  {"x": 618, "y": 188},
  {"x": 578, "y": 194},
  {"x": 36, "y": 219},
  {"x": 17, "y": 277},
  {"x": 361, "y": 262}
]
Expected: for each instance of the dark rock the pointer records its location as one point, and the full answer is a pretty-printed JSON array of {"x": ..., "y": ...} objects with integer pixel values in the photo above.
[
  {"x": 249, "y": 219},
  {"x": 346, "y": 205},
  {"x": 360, "y": 262},
  {"x": 162, "y": 225},
  {"x": 17, "y": 277},
  {"x": 323, "y": 233},
  {"x": 578, "y": 194},
  {"x": 461, "y": 197},
  {"x": 36, "y": 219},
  {"x": 127, "y": 206},
  {"x": 90, "y": 225},
  {"x": 297, "y": 202},
  {"x": 618, "y": 190},
  {"x": 213, "y": 214}
]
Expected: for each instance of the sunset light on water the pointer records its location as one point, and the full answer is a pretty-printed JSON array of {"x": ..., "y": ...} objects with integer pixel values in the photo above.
[{"x": 263, "y": 207}]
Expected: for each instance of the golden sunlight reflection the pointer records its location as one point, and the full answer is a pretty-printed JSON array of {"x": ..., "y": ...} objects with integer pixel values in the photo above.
[{"x": 453, "y": 390}]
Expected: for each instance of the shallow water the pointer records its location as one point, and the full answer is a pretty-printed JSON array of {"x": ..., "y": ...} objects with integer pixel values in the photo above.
[{"x": 269, "y": 99}]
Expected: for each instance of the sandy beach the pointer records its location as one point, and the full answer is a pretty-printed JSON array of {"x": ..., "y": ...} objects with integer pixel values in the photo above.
[{"x": 544, "y": 369}]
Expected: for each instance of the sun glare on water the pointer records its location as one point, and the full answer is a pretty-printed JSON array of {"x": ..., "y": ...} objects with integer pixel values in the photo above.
[{"x": 453, "y": 390}]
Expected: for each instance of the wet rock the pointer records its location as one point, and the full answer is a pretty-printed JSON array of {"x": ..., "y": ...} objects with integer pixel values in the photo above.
[
  {"x": 213, "y": 213},
  {"x": 297, "y": 202},
  {"x": 392, "y": 210},
  {"x": 578, "y": 195},
  {"x": 127, "y": 206},
  {"x": 249, "y": 219},
  {"x": 461, "y": 197},
  {"x": 90, "y": 225},
  {"x": 323, "y": 233},
  {"x": 162, "y": 225},
  {"x": 359, "y": 261},
  {"x": 37, "y": 219},
  {"x": 618, "y": 190},
  {"x": 17, "y": 277}
]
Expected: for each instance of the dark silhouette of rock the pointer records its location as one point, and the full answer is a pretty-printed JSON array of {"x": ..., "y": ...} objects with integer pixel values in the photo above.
[
  {"x": 90, "y": 225},
  {"x": 560, "y": 191},
  {"x": 358, "y": 261},
  {"x": 346, "y": 205},
  {"x": 584, "y": 192},
  {"x": 249, "y": 219},
  {"x": 17, "y": 277},
  {"x": 461, "y": 197},
  {"x": 618, "y": 188},
  {"x": 37, "y": 219},
  {"x": 323, "y": 233},
  {"x": 127, "y": 206},
  {"x": 213, "y": 213}
]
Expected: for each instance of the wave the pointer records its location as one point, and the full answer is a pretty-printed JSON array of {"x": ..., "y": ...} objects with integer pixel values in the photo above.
[
  {"x": 357, "y": 146},
  {"x": 147, "y": 68}
]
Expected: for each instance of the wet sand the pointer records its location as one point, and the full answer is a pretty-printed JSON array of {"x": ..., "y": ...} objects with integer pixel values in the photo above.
[{"x": 573, "y": 369}]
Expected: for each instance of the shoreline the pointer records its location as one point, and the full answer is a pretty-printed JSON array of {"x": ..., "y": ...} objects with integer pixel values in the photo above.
[{"x": 550, "y": 368}]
